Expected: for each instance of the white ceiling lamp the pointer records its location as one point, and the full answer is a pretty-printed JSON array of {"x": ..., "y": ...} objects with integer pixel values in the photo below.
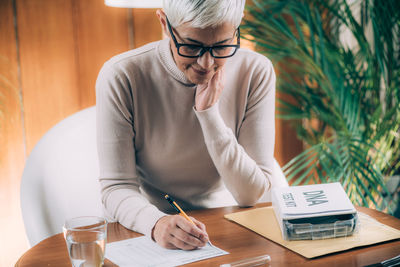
[{"x": 134, "y": 3}]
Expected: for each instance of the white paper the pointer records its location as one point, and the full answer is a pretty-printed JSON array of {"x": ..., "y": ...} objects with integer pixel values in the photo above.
[
  {"x": 142, "y": 251},
  {"x": 311, "y": 200}
]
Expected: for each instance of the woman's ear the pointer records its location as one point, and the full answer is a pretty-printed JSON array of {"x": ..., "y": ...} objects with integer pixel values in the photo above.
[{"x": 163, "y": 21}]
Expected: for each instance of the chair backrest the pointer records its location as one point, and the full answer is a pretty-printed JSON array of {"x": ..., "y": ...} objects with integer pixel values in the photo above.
[{"x": 60, "y": 179}]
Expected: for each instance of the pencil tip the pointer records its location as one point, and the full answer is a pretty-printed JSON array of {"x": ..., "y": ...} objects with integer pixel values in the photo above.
[{"x": 166, "y": 196}]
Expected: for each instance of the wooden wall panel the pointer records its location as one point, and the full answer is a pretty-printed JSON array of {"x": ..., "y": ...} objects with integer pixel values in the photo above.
[
  {"x": 146, "y": 26},
  {"x": 48, "y": 64},
  {"x": 62, "y": 45},
  {"x": 13, "y": 241},
  {"x": 101, "y": 32},
  {"x": 287, "y": 145}
]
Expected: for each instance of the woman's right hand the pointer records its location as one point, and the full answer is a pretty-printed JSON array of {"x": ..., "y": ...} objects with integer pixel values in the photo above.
[{"x": 175, "y": 232}]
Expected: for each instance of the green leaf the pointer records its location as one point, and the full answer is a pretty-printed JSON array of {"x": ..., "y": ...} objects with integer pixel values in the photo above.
[{"x": 344, "y": 101}]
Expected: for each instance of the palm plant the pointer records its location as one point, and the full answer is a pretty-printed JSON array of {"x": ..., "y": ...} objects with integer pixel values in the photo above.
[{"x": 346, "y": 94}]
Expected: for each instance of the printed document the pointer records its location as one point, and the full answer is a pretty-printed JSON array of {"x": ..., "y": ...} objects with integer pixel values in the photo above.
[
  {"x": 311, "y": 201},
  {"x": 142, "y": 251}
]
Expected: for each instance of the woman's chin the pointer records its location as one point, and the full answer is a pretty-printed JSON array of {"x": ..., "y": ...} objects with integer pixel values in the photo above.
[{"x": 198, "y": 79}]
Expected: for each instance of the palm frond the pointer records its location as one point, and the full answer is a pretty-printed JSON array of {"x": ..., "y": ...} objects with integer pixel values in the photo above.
[{"x": 352, "y": 91}]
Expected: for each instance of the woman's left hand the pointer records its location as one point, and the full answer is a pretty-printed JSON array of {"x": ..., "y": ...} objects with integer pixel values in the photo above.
[{"x": 207, "y": 94}]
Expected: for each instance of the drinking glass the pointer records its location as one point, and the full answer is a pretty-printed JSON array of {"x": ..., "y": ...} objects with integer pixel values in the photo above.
[{"x": 86, "y": 238}]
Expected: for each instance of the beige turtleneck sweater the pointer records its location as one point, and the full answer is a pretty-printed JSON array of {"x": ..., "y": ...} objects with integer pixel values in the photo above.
[{"x": 152, "y": 142}]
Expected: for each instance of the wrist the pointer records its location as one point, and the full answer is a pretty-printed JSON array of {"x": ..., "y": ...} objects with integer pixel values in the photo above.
[
  {"x": 154, "y": 228},
  {"x": 204, "y": 106}
]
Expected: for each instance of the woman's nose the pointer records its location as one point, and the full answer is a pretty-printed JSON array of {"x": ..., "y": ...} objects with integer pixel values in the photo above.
[{"x": 206, "y": 60}]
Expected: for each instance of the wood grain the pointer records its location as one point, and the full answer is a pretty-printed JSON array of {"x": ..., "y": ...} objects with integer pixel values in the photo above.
[
  {"x": 101, "y": 32},
  {"x": 50, "y": 84},
  {"x": 237, "y": 240},
  {"x": 12, "y": 155},
  {"x": 287, "y": 145},
  {"x": 146, "y": 26}
]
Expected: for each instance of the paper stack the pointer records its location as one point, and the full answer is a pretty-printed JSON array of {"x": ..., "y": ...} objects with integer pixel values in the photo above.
[{"x": 316, "y": 211}]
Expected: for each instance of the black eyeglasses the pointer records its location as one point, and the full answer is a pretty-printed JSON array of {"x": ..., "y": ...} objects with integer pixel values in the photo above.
[{"x": 193, "y": 51}]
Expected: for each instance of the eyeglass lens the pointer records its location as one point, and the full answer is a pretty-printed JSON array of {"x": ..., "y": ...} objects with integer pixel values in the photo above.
[{"x": 223, "y": 51}]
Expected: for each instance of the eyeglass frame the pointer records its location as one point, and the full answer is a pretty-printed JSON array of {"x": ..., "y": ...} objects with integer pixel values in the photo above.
[{"x": 204, "y": 49}]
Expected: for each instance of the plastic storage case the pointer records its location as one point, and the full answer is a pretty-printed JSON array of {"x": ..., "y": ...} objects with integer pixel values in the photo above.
[{"x": 320, "y": 227}]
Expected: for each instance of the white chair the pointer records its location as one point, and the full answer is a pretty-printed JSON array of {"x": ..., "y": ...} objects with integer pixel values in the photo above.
[{"x": 60, "y": 178}]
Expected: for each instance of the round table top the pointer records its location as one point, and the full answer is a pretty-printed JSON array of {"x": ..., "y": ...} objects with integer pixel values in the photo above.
[{"x": 237, "y": 240}]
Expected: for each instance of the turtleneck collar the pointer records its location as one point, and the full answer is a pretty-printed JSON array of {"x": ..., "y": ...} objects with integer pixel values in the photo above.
[{"x": 167, "y": 60}]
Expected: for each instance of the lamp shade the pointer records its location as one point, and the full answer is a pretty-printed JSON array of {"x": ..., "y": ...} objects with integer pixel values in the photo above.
[{"x": 134, "y": 3}]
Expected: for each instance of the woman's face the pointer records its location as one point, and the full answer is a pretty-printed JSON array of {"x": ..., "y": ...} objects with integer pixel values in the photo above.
[{"x": 200, "y": 70}]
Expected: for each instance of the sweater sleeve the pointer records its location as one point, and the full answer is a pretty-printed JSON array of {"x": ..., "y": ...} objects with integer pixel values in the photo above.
[
  {"x": 245, "y": 162},
  {"x": 119, "y": 182}
]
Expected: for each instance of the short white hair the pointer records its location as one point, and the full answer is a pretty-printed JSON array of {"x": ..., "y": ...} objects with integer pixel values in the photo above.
[{"x": 204, "y": 13}]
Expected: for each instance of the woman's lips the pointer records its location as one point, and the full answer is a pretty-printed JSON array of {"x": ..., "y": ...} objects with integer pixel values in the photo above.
[{"x": 200, "y": 72}]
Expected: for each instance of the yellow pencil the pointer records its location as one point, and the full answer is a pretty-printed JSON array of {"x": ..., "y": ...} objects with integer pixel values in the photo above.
[
  {"x": 178, "y": 209},
  {"x": 181, "y": 212}
]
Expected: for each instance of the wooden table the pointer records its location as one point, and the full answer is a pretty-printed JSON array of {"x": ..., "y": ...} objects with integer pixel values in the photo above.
[{"x": 237, "y": 240}]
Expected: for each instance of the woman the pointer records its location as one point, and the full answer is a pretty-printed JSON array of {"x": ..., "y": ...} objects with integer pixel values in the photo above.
[{"x": 191, "y": 116}]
